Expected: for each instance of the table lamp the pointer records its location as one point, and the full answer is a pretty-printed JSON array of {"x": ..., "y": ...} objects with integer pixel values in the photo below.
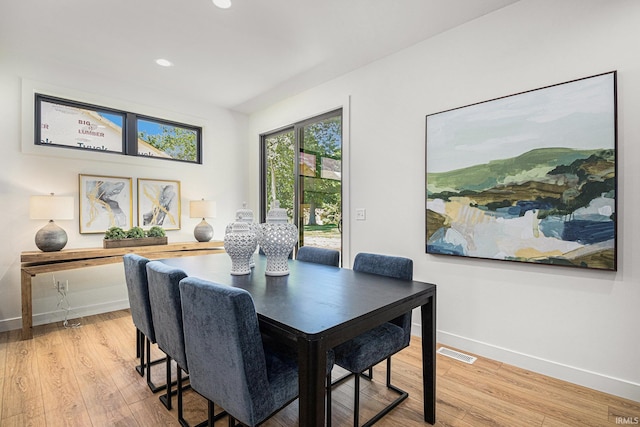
[
  {"x": 51, "y": 237},
  {"x": 202, "y": 209}
]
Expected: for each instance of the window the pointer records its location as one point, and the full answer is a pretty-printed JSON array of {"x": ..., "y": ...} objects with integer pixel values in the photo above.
[
  {"x": 302, "y": 169},
  {"x": 70, "y": 124}
]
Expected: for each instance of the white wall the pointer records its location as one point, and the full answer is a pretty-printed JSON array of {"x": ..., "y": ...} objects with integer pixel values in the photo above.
[
  {"x": 578, "y": 325},
  {"x": 27, "y": 170}
]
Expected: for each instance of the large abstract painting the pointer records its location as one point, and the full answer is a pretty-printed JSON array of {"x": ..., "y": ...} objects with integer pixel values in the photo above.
[{"x": 529, "y": 177}]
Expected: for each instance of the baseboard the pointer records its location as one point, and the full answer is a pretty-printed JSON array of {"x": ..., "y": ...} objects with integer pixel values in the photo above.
[
  {"x": 572, "y": 374},
  {"x": 59, "y": 315}
]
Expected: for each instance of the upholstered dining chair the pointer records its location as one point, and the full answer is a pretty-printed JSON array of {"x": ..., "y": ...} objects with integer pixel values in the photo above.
[
  {"x": 229, "y": 363},
  {"x": 318, "y": 255},
  {"x": 135, "y": 273},
  {"x": 166, "y": 309},
  {"x": 370, "y": 348}
]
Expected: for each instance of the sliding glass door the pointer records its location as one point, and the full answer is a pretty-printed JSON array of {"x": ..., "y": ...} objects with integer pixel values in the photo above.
[{"x": 302, "y": 169}]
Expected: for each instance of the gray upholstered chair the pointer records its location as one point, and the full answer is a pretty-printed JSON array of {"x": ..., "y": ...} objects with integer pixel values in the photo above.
[
  {"x": 368, "y": 349},
  {"x": 229, "y": 363},
  {"x": 166, "y": 307},
  {"x": 135, "y": 273},
  {"x": 318, "y": 255}
]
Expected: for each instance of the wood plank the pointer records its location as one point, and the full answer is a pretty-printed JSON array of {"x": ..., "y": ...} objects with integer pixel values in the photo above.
[
  {"x": 150, "y": 412},
  {"x": 23, "y": 420},
  {"x": 102, "y": 399},
  {"x": 4, "y": 343},
  {"x": 21, "y": 389},
  {"x": 63, "y": 402}
]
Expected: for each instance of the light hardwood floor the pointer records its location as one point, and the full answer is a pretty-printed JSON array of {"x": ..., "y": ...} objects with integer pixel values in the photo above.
[{"x": 85, "y": 377}]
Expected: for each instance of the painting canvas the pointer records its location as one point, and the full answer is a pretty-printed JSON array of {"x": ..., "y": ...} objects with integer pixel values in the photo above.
[
  {"x": 529, "y": 177},
  {"x": 105, "y": 202},
  {"x": 159, "y": 203}
]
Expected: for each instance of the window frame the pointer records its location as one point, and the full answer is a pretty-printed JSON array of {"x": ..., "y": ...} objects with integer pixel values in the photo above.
[{"x": 129, "y": 128}]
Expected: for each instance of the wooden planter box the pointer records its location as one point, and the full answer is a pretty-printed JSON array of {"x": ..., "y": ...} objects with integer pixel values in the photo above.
[{"x": 143, "y": 241}]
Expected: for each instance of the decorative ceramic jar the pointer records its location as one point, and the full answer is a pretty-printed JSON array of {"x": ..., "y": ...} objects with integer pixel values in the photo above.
[
  {"x": 277, "y": 237},
  {"x": 246, "y": 215},
  {"x": 240, "y": 243}
]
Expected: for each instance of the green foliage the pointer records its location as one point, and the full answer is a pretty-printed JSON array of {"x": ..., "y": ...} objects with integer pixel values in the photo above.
[
  {"x": 280, "y": 157},
  {"x": 322, "y": 139},
  {"x": 115, "y": 233},
  {"x": 156, "y": 231},
  {"x": 177, "y": 142},
  {"x": 135, "y": 233}
]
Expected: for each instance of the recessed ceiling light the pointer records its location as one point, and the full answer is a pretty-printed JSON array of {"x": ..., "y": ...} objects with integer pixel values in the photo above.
[
  {"x": 163, "y": 62},
  {"x": 222, "y": 4}
]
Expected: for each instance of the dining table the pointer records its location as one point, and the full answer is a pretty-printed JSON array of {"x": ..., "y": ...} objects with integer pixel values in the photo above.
[{"x": 316, "y": 307}]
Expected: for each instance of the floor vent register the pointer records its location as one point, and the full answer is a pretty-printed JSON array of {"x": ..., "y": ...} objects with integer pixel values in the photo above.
[{"x": 457, "y": 355}]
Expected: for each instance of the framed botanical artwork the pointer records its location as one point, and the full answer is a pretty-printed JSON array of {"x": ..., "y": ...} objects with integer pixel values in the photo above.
[
  {"x": 530, "y": 177},
  {"x": 105, "y": 202},
  {"x": 158, "y": 203}
]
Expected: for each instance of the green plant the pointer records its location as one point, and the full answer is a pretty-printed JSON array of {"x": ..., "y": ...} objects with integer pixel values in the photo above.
[
  {"x": 135, "y": 233},
  {"x": 115, "y": 233},
  {"x": 156, "y": 231}
]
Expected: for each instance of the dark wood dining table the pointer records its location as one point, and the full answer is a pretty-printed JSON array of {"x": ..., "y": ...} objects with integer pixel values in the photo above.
[{"x": 317, "y": 307}]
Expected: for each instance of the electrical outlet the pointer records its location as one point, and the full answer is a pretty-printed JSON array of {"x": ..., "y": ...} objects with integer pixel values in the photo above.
[
  {"x": 361, "y": 214},
  {"x": 62, "y": 286}
]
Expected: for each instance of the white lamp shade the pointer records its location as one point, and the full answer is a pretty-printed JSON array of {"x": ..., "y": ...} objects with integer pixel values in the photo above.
[
  {"x": 222, "y": 4},
  {"x": 202, "y": 209},
  {"x": 51, "y": 207}
]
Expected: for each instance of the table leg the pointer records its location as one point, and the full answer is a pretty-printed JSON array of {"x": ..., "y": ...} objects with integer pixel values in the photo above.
[
  {"x": 27, "y": 308},
  {"x": 428, "y": 314},
  {"x": 312, "y": 361}
]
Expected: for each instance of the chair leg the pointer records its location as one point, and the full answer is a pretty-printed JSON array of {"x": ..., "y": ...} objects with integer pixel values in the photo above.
[
  {"x": 328, "y": 423},
  {"x": 181, "y": 419},
  {"x": 138, "y": 342},
  {"x": 356, "y": 400},
  {"x": 166, "y": 398},
  {"x": 153, "y": 387},
  {"x": 402, "y": 396},
  {"x": 210, "y": 414},
  {"x": 143, "y": 346}
]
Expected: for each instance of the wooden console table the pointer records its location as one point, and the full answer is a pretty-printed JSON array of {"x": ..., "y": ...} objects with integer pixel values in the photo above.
[{"x": 37, "y": 262}]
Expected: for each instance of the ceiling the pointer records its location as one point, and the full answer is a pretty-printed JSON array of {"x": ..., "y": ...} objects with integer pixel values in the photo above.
[{"x": 243, "y": 58}]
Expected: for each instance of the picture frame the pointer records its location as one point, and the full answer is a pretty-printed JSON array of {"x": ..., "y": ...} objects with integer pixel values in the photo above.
[
  {"x": 105, "y": 202},
  {"x": 159, "y": 203},
  {"x": 530, "y": 177}
]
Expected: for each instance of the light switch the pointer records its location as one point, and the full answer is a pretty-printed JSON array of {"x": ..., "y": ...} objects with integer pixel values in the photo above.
[{"x": 361, "y": 214}]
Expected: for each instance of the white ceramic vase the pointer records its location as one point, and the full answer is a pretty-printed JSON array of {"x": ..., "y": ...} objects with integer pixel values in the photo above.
[
  {"x": 277, "y": 237},
  {"x": 240, "y": 243}
]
